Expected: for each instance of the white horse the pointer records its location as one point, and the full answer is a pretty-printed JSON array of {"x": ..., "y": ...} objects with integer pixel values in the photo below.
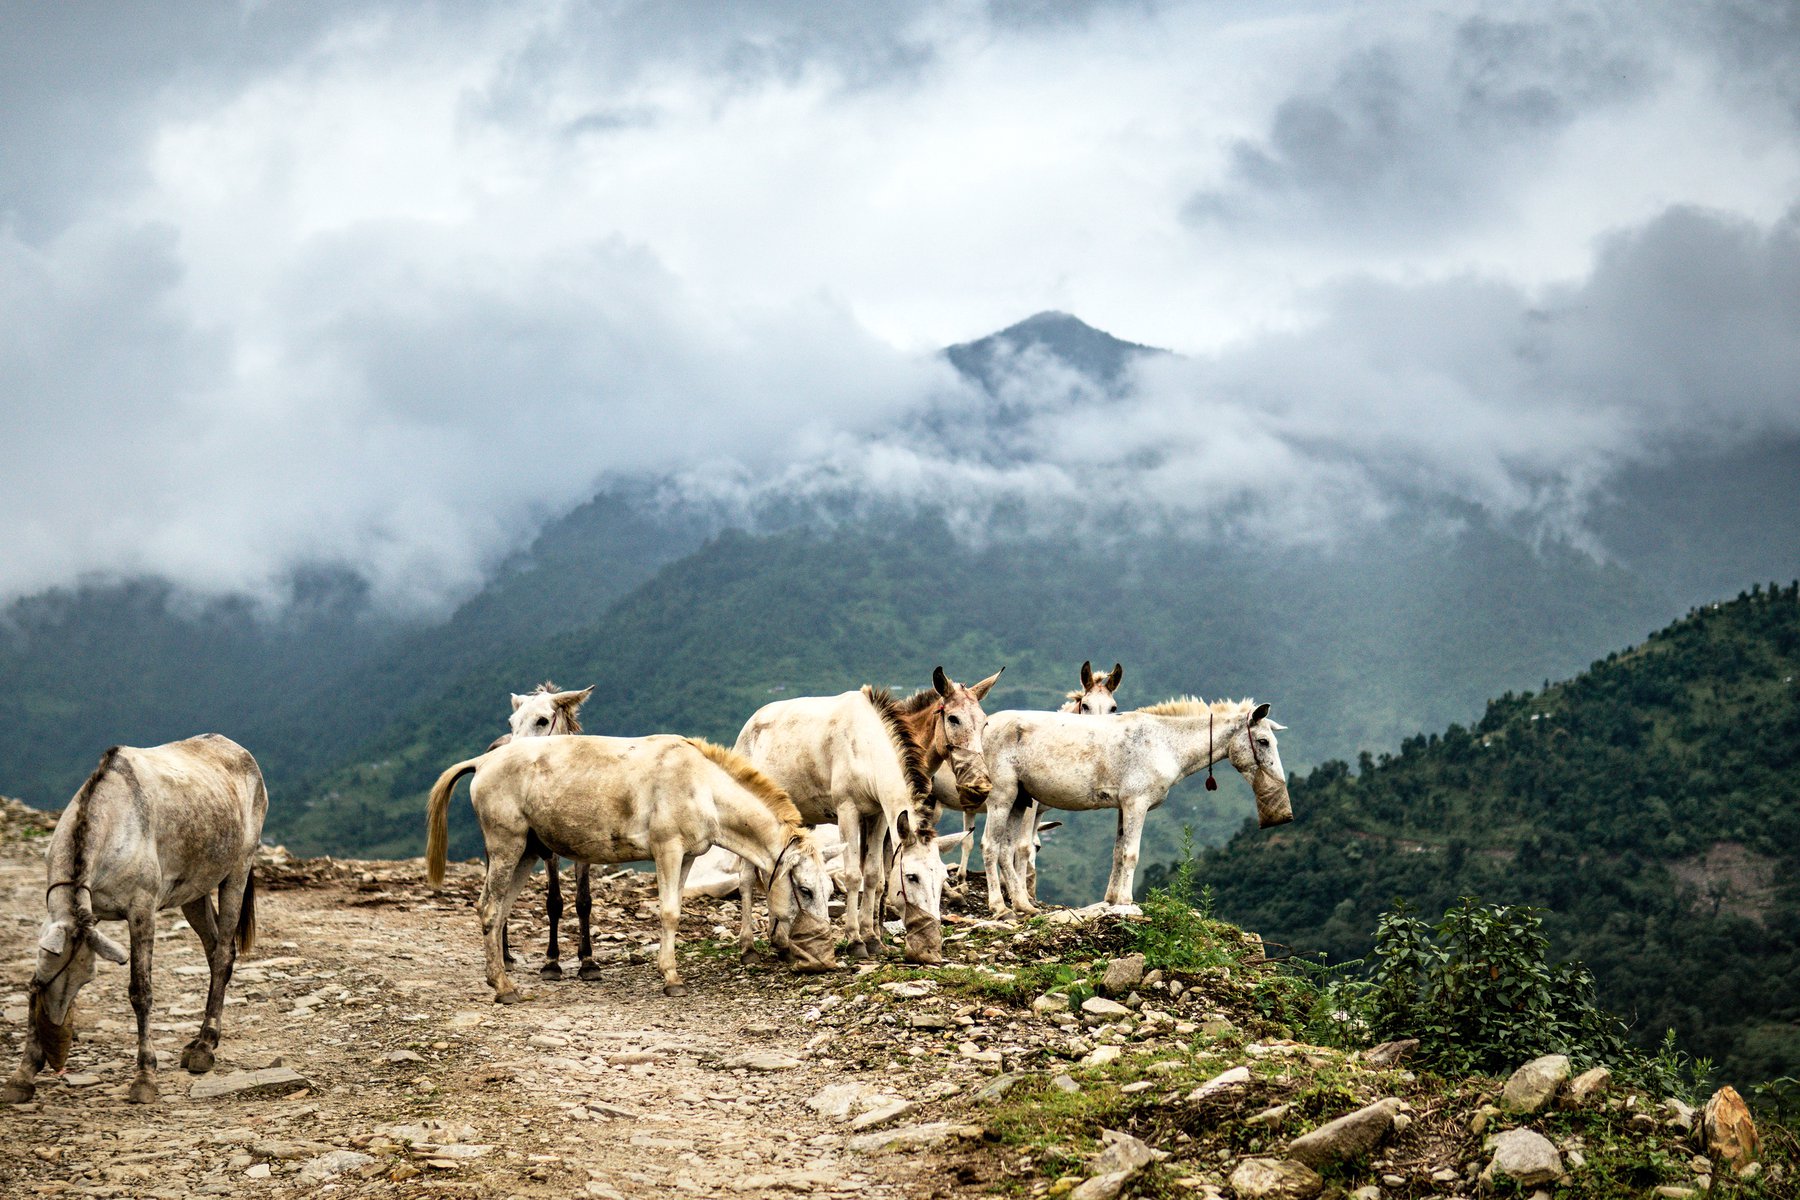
[
  {"x": 164, "y": 827},
  {"x": 547, "y": 712},
  {"x": 609, "y": 800},
  {"x": 864, "y": 761},
  {"x": 1127, "y": 762},
  {"x": 1095, "y": 699}
]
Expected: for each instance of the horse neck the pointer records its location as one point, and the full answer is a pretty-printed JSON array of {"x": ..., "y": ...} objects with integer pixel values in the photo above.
[
  {"x": 1199, "y": 742},
  {"x": 746, "y": 826},
  {"x": 925, "y": 726}
]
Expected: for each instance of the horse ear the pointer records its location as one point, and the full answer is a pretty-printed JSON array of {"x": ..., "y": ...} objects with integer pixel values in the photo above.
[
  {"x": 1277, "y": 726},
  {"x": 1087, "y": 675},
  {"x": 1261, "y": 711},
  {"x": 941, "y": 682},
  {"x": 517, "y": 700},
  {"x": 950, "y": 841},
  {"x": 573, "y": 699},
  {"x": 1047, "y": 826},
  {"x": 54, "y": 938},
  {"x": 981, "y": 689},
  {"x": 1116, "y": 677},
  {"x": 903, "y": 825},
  {"x": 106, "y": 948}
]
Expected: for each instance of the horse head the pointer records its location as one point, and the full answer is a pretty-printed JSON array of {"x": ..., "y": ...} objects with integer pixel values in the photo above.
[
  {"x": 799, "y": 906},
  {"x": 958, "y": 732},
  {"x": 1096, "y": 695},
  {"x": 547, "y": 711},
  {"x": 1254, "y": 752}
]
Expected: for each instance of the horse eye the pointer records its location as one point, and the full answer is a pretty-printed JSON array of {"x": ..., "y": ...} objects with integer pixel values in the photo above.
[
  {"x": 912, "y": 879},
  {"x": 806, "y": 892},
  {"x": 543, "y": 720},
  {"x": 955, "y": 720}
]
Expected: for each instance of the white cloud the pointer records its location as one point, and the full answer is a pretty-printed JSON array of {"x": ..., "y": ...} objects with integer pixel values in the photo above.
[{"x": 383, "y": 286}]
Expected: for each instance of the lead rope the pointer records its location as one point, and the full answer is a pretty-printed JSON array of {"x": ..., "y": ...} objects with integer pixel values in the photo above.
[{"x": 1212, "y": 785}]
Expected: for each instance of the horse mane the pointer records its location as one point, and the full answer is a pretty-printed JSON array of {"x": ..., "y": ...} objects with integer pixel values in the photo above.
[
  {"x": 1193, "y": 706},
  {"x": 893, "y": 713},
  {"x": 752, "y": 780},
  {"x": 81, "y": 806}
]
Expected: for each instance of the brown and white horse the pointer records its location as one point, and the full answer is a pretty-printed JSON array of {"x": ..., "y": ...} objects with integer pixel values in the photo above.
[{"x": 172, "y": 826}]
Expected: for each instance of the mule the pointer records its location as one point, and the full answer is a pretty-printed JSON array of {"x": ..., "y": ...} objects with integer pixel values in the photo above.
[
  {"x": 547, "y": 712},
  {"x": 1127, "y": 762},
  {"x": 172, "y": 826},
  {"x": 610, "y": 800},
  {"x": 863, "y": 760}
]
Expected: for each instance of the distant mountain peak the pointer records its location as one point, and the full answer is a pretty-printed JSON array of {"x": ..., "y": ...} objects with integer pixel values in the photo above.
[{"x": 1074, "y": 342}]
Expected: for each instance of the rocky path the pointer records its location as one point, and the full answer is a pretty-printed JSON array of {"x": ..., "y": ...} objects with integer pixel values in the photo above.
[{"x": 368, "y": 988}]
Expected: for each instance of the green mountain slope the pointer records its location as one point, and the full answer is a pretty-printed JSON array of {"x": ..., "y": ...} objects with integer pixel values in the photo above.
[
  {"x": 1351, "y": 649},
  {"x": 1651, "y": 803}
]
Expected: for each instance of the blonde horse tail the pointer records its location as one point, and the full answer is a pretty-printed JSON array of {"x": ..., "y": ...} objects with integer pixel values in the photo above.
[{"x": 437, "y": 820}]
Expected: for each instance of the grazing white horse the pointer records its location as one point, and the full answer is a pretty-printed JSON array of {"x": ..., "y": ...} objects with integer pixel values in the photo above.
[
  {"x": 1128, "y": 762},
  {"x": 164, "y": 827},
  {"x": 610, "y": 800},
  {"x": 864, "y": 761},
  {"x": 548, "y": 712}
]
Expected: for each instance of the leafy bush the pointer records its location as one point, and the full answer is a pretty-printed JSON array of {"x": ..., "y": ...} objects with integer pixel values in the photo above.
[
  {"x": 1480, "y": 994},
  {"x": 1177, "y": 934}
]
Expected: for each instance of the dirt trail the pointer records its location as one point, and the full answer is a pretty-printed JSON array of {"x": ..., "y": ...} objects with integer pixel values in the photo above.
[{"x": 370, "y": 986}]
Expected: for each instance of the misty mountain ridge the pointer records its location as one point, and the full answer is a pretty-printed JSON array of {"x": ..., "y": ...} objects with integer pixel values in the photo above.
[{"x": 140, "y": 662}]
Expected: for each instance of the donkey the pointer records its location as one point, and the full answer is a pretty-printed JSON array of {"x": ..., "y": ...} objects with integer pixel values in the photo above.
[
  {"x": 1128, "y": 762},
  {"x": 156, "y": 828},
  {"x": 611, "y": 800},
  {"x": 1095, "y": 699},
  {"x": 864, "y": 760},
  {"x": 547, "y": 712}
]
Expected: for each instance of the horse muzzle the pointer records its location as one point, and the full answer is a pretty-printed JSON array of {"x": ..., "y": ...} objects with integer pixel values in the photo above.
[
  {"x": 54, "y": 1038},
  {"x": 924, "y": 937},
  {"x": 811, "y": 945},
  {"x": 1272, "y": 804}
]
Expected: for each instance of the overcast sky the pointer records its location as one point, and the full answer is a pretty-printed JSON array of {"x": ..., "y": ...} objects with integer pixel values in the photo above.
[{"x": 384, "y": 285}]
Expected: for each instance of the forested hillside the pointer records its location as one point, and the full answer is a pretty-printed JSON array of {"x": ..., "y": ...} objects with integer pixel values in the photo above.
[
  {"x": 1651, "y": 804},
  {"x": 1351, "y": 647}
]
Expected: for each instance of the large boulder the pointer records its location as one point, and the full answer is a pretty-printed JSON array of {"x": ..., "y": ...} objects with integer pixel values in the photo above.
[
  {"x": 1534, "y": 1085},
  {"x": 1275, "y": 1179},
  {"x": 1587, "y": 1087},
  {"x": 1524, "y": 1156},
  {"x": 1730, "y": 1133},
  {"x": 1350, "y": 1136}
]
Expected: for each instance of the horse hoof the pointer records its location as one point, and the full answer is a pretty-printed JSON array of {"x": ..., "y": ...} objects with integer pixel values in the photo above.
[
  {"x": 550, "y": 972},
  {"x": 926, "y": 960},
  {"x": 507, "y": 997},
  {"x": 590, "y": 971},
  {"x": 674, "y": 989},
  {"x": 874, "y": 947},
  {"x": 17, "y": 1093},
  {"x": 856, "y": 950},
  {"x": 197, "y": 1059},
  {"x": 143, "y": 1091}
]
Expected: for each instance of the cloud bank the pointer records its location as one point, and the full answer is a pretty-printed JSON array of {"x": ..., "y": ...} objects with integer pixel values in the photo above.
[{"x": 384, "y": 286}]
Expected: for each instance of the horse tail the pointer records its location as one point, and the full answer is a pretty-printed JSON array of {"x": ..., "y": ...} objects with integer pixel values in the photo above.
[
  {"x": 437, "y": 820},
  {"x": 246, "y": 930}
]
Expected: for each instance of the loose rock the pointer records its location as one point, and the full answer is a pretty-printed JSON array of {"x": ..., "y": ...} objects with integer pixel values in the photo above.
[
  {"x": 1534, "y": 1085},
  {"x": 1275, "y": 1179},
  {"x": 1730, "y": 1133},
  {"x": 1350, "y": 1136},
  {"x": 1524, "y": 1156}
]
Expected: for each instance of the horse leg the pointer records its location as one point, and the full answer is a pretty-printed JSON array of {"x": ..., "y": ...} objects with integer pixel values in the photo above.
[
  {"x": 200, "y": 915},
  {"x": 1031, "y": 845},
  {"x": 747, "y": 919},
  {"x": 994, "y": 851},
  {"x": 584, "y": 916},
  {"x": 507, "y": 871},
  {"x": 1125, "y": 850},
  {"x": 23, "y": 1084},
  {"x": 1015, "y": 851},
  {"x": 142, "y": 922},
  {"x": 850, "y": 829},
  {"x": 553, "y": 910},
  {"x": 874, "y": 876},
  {"x": 672, "y": 863},
  {"x": 221, "y": 956}
]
